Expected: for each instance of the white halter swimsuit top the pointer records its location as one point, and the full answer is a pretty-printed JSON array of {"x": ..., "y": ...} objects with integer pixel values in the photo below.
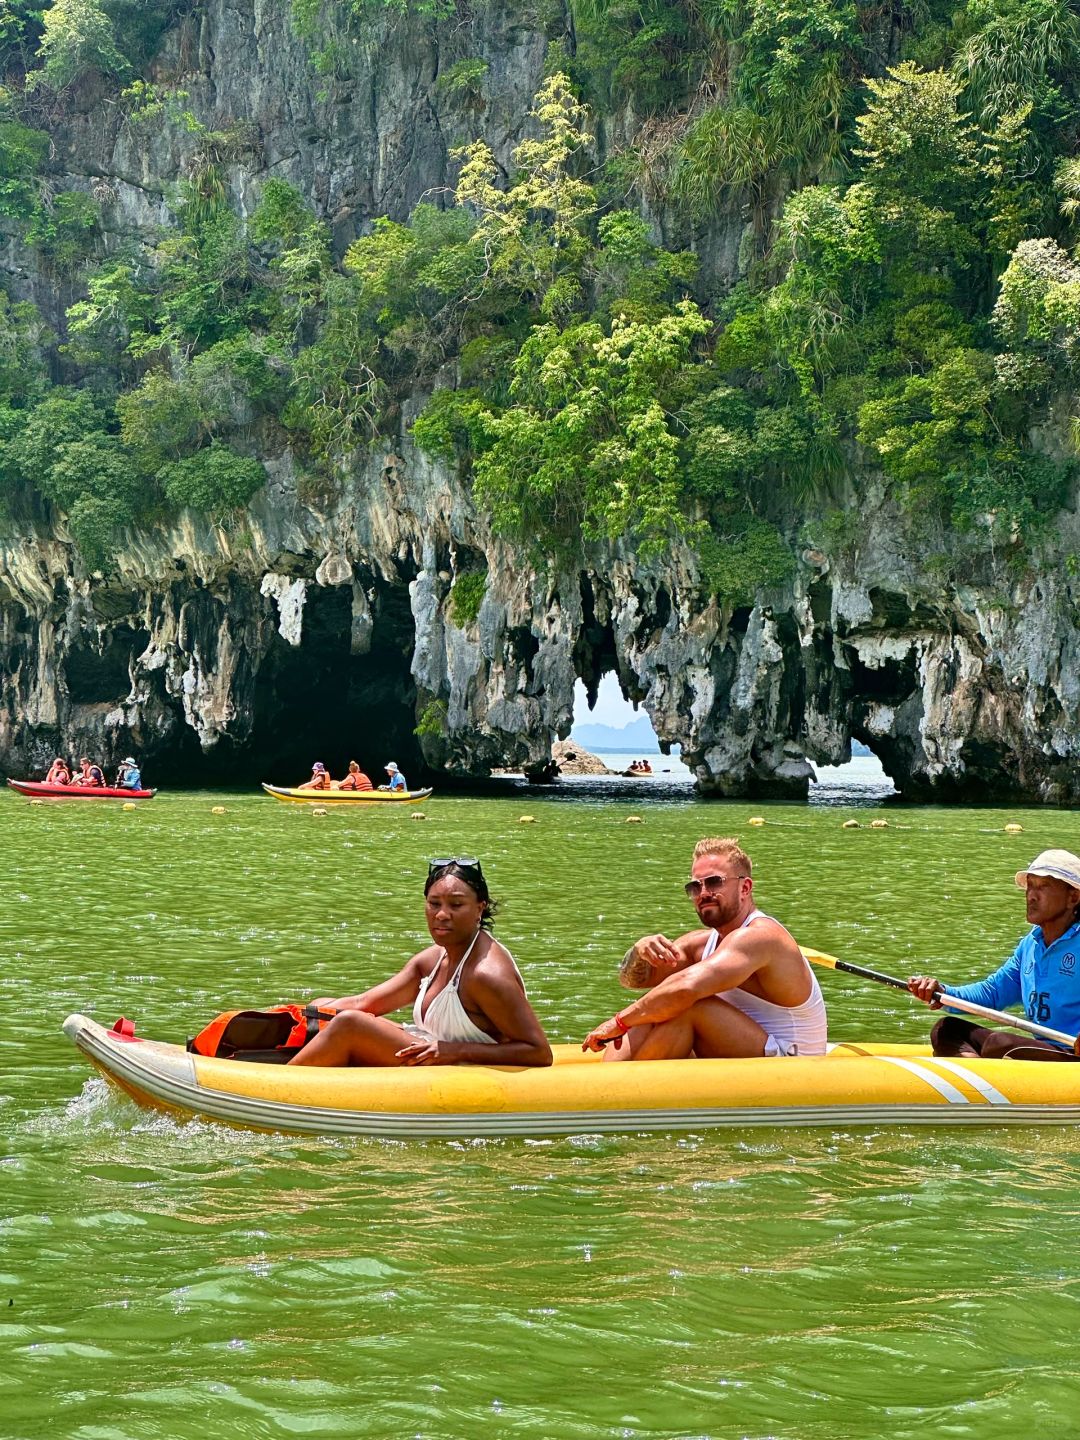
[
  {"x": 446, "y": 1017},
  {"x": 797, "y": 1029}
]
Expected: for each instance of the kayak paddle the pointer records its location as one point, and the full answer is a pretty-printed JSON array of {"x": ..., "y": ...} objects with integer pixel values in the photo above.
[{"x": 948, "y": 1002}]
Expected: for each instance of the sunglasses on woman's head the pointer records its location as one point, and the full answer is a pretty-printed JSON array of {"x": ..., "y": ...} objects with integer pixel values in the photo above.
[{"x": 467, "y": 862}]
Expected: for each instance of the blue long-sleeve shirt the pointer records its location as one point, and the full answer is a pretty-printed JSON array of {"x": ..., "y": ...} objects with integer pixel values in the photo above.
[{"x": 1044, "y": 979}]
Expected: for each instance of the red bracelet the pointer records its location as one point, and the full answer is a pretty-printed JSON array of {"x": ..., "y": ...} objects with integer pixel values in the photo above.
[{"x": 621, "y": 1023}]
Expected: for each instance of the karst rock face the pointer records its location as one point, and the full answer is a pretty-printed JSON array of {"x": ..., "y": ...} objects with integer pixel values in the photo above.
[
  {"x": 321, "y": 626},
  {"x": 329, "y": 632}
]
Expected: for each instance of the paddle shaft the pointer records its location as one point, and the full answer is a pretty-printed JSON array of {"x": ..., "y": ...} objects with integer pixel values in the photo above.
[{"x": 947, "y": 1002}]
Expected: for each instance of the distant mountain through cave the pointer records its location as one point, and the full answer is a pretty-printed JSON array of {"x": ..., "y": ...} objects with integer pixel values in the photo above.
[
  {"x": 613, "y": 725},
  {"x": 639, "y": 735}
]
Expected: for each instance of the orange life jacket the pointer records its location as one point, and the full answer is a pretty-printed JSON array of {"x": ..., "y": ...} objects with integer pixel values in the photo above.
[
  {"x": 356, "y": 782},
  {"x": 272, "y": 1036}
]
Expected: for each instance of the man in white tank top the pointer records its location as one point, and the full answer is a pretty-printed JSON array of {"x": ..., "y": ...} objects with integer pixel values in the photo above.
[{"x": 738, "y": 987}]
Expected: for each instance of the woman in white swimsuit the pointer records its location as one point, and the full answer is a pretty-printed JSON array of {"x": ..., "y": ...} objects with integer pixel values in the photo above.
[{"x": 469, "y": 1002}]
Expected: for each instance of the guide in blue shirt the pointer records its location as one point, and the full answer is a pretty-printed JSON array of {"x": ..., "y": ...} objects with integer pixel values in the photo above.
[
  {"x": 397, "y": 779},
  {"x": 130, "y": 776},
  {"x": 1042, "y": 974}
]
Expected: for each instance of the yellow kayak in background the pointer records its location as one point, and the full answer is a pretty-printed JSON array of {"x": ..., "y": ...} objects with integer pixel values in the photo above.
[
  {"x": 346, "y": 797},
  {"x": 854, "y": 1084}
]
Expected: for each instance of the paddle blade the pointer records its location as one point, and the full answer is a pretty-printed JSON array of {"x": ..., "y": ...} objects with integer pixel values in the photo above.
[{"x": 818, "y": 957}]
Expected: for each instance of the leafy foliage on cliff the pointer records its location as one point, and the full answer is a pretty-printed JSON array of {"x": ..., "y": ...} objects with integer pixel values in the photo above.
[
  {"x": 582, "y": 437},
  {"x": 467, "y": 595},
  {"x": 906, "y": 320},
  {"x": 865, "y": 327}
]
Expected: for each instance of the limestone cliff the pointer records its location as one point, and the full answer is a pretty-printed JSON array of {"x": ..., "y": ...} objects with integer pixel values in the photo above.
[
  {"x": 321, "y": 626},
  {"x": 327, "y": 632}
]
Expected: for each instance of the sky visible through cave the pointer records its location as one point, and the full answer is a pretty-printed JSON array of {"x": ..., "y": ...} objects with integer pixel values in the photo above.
[{"x": 612, "y": 708}]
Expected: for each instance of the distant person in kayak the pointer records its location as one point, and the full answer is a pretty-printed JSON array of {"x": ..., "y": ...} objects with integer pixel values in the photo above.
[
  {"x": 1042, "y": 975},
  {"x": 354, "y": 780},
  {"x": 740, "y": 986},
  {"x": 90, "y": 775},
  {"x": 468, "y": 999},
  {"x": 59, "y": 774},
  {"x": 130, "y": 776},
  {"x": 320, "y": 778},
  {"x": 397, "y": 779}
]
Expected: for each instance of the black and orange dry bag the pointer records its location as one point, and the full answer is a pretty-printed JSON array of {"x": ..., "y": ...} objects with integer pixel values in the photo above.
[{"x": 269, "y": 1036}]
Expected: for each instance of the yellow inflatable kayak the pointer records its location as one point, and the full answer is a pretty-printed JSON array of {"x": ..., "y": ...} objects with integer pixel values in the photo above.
[
  {"x": 347, "y": 797},
  {"x": 852, "y": 1085}
]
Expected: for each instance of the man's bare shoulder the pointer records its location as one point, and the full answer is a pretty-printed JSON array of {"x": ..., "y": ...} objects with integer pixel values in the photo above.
[{"x": 766, "y": 934}]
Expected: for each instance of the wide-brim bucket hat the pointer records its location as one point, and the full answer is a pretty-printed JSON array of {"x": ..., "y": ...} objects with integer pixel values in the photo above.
[{"x": 1055, "y": 865}]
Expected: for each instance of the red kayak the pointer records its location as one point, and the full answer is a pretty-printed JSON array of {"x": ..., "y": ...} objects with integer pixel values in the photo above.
[{"x": 37, "y": 789}]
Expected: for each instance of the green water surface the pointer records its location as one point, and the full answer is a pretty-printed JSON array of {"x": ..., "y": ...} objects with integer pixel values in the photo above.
[{"x": 183, "y": 1280}]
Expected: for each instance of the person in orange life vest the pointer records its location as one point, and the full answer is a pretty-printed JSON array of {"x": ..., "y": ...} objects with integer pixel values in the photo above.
[
  {"x": 354, "y": 780},
  {"x": 320, "y": 778},
  {"x": 90, "y": 775}
]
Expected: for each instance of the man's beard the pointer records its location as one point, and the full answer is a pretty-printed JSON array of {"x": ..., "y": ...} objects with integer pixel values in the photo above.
[{"x": 721, "y": 912}]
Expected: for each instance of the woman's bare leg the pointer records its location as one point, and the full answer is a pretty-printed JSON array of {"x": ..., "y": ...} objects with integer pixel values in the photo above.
[{"x": 354, "y": 1037}]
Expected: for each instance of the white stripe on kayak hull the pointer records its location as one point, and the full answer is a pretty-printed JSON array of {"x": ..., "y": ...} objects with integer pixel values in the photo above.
[
  {"x": 938, "y": 1083},
  {"x": 989, "y": 1092}
]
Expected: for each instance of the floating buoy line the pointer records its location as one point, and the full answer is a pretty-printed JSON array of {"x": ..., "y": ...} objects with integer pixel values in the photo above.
[{"x": 1012, "y": 828}]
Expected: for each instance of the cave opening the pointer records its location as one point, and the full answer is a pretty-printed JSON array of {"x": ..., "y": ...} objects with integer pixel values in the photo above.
[
  {"x": 607, "y": 724},
  {"x": 862, "y": 750},
  {"x": 883, "y": 690},
  {"x": 320, "y": 701},
  {"x": 594, "y": 649},
  {"x": 605, "y": 719},
  {"x": 103, "y": 676},
  {"x": 889, "y": 682}
]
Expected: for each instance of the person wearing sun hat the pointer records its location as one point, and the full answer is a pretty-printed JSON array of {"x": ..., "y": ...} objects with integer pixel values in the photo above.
[
  {"x": 320, "y": 778},
  {"x": 1042, "y": 974},
  {"x": 130, "y": 776},
  {"x": 397, "y": 779}
]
